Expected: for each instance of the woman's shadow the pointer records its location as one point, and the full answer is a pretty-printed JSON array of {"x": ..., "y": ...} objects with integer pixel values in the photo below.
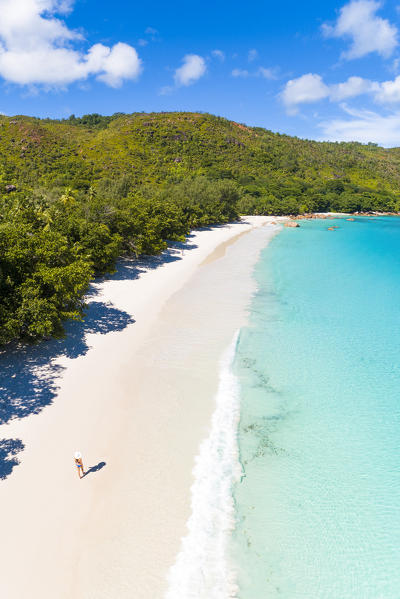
[{"x": 96, "y": 468}]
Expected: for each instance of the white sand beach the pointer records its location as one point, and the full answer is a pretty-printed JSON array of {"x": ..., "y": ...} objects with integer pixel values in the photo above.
[{"x": 133, "y": 389}]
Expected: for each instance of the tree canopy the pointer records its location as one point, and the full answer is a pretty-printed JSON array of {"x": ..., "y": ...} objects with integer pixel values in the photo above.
[{"x": 76, "y": 194}]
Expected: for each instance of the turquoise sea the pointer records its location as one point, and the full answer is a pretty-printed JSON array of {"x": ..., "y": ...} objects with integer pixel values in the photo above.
[{"x": 318, "y": 507}]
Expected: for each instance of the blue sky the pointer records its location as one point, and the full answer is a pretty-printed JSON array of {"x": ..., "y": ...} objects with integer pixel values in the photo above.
[{"x": 321, "y": 70}]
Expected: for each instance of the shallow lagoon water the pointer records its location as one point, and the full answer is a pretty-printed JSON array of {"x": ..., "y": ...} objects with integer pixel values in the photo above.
[{"x": 319, "y": 367}]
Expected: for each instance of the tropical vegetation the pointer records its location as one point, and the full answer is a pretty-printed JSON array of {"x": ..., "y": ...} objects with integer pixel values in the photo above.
[{"x": 78, "y": 193}]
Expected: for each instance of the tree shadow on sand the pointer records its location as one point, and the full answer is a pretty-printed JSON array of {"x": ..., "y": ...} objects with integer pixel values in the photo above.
[
  {"x": 29, "y": 374},
  {"x": 8, "y": 451},
  {"x": 133, "y": 269}
]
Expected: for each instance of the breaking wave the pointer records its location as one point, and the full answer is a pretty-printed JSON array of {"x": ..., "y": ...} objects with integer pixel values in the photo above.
[{"x": 203, "y": 569}]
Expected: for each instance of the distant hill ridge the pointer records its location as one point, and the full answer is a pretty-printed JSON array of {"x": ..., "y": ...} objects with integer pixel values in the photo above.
[{"x": 275, "y": 173}]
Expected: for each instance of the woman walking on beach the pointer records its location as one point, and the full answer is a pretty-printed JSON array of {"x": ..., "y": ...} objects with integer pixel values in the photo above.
[{"x": 79, "y": 464}]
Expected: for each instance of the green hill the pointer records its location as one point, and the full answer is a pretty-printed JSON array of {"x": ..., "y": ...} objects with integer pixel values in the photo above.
[
  {"x": 162, "y": 149},
  {"x": 75, "y": 194}
]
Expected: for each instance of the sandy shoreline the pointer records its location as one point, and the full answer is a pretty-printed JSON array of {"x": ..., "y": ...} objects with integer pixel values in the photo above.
[{"x": 135, "y": 396}]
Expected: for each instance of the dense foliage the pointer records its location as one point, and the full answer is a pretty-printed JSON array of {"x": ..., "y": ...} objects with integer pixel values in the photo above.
[{"x": 76, "y": 194}]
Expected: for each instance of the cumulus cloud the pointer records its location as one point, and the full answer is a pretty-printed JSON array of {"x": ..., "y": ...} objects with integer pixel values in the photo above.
[
  {"x": 364, "y": 126},
  {"x": 354, "y": 86},
  {"x": 218, "y": 54},
  {"x": 311, "y": 88},
  {"x": 389, "y": 91},
  {"x": 305, "y": 89},
  {"x": 37, "y": 48},
  {"x": 119, "y": 62},
  {"x": 192, "y": 69},
  {"x": 367, "y": 32}
]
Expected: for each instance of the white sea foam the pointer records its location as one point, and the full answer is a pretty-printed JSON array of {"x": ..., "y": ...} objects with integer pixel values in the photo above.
[{"x": 202, "y": 569}]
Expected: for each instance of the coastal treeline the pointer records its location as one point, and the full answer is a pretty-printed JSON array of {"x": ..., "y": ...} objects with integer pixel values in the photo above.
[
  {"x": 52, "y": 246},
  {"x": 76, "y": 194}
]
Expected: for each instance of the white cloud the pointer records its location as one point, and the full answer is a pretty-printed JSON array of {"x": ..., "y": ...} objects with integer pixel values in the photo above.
[
  {"x": 267, "y": 73},
  {"x": 305, "y": 89},
  {"x": 252, "y": 55},
  {"x": 364, "y": 126},
  {"x": 354, "y": 86},
  {"x": 193, "y": 68},
  {"x": 166, "y": 90},
  {"x": 368, "y": 32},
  {"x": 152, "y": 36},
  {"x": 37, "y": 48},
  {"x": 240, "y": 73},
  {"x": 311, "y": 88},
  {"x": 395, "y": 65},
  {"x": 119, "y": 63},
  {"x": 218, "y": 54},
  {"x": 261, "y": 72},
  {"x": 389, "y": 91}
]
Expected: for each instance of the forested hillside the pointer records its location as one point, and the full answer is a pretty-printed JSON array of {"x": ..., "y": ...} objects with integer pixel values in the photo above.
[{"x": 76, "y": 194}]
